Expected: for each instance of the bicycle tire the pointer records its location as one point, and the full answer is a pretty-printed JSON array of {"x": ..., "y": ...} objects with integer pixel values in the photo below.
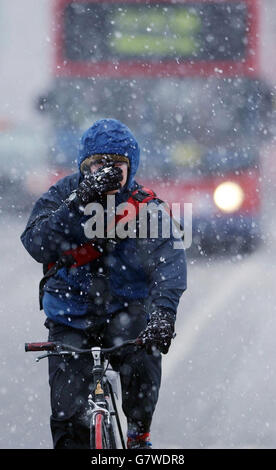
[{"x": 101, "y": 436}]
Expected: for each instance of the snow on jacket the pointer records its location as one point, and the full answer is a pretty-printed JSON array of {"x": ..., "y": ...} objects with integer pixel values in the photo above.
[{"x": 148, "y": 269}]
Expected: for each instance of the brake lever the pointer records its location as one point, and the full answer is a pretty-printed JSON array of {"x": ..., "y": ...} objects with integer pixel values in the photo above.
[
  {"x": 37, "y": 359},
  {"x": 49, "y": 354}
]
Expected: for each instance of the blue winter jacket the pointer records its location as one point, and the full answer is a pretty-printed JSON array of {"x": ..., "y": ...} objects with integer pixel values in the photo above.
[{"x": 147, "y": 269}]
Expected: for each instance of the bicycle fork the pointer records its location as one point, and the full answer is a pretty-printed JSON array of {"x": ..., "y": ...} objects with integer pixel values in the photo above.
[{"x": 98, "y": 406}]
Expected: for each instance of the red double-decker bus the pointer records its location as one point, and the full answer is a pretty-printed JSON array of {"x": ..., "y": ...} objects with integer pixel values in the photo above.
[{"x": 184, "y": 75}]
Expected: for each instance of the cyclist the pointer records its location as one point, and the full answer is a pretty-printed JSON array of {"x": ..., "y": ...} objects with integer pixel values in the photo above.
[{"x": 104, "y": 291}]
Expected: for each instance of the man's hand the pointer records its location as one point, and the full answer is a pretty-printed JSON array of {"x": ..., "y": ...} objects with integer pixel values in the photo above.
[
  {"x": 159, "y": 332},
  {"x": 94, "y": 185},
  {"x": 98, "y": 183}
]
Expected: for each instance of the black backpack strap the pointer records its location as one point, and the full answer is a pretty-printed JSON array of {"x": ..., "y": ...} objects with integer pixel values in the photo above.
[{"x": 142, "y": 194}]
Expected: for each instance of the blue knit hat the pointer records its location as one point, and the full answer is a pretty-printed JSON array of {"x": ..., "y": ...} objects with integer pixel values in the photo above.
[{"x": 109, "y": 136}]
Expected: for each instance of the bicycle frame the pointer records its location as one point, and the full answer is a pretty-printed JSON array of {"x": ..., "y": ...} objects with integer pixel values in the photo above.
[{"x": 102, "y": 392}]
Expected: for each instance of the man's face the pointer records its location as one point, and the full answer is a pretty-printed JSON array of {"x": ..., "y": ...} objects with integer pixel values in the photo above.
[{"x": 123, "y": 165}]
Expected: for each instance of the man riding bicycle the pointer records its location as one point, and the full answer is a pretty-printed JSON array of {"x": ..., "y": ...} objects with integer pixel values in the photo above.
[{"x": 106, "y": 290}]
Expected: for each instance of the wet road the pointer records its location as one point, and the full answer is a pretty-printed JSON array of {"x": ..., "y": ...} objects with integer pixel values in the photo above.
[{"x": 219, "y": 379}]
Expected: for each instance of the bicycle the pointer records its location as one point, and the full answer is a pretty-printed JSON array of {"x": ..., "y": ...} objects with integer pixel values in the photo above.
[{"x": 102, "y": 408}]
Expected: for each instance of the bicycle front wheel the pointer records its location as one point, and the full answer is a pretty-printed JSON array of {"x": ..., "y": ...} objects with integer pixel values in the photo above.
[{"x": 100, "y": 434}]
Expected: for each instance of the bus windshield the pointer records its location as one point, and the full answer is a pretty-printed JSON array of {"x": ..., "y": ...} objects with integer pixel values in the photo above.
[
  {"x": 154, "y": 31},
  {"x": 185, "y": 126}
]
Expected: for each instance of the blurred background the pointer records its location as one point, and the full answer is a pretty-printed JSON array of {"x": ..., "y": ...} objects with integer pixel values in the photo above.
[{"x": 196, "y": 82}]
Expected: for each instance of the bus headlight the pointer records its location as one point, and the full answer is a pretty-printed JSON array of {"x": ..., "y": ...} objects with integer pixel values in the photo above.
[{"x": 228, "y": 196}]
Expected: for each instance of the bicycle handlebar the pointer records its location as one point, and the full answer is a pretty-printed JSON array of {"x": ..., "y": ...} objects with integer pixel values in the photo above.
[{"x": 60, "y": 348}]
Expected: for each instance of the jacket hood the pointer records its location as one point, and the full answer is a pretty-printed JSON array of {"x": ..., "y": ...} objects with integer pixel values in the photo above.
[{"x": 111, "y": 136}]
